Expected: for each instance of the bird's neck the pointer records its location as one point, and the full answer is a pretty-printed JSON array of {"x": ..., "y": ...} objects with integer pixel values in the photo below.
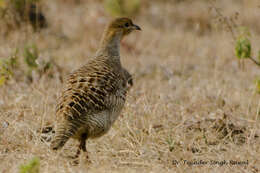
[{"x": 110, "y": 44}]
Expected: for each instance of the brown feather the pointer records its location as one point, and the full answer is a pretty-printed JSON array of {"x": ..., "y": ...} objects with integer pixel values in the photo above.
[{"x": 95, "y": 93}]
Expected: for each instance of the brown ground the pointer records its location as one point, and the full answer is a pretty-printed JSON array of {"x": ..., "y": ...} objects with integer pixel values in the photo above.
[{"x": 190, "y": 99}]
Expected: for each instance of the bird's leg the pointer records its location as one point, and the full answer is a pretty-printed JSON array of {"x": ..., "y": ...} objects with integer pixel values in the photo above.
[
  {"x": 82, "y": 145},
  {"x": 77, "y": 153}
]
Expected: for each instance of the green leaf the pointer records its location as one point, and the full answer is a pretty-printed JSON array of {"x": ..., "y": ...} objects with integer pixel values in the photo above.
[
  {"x": 258, "y": 86},
  {"x": 2, "y": 80},
  {"x": 30, "y": 56},
  {"x": 171, "y": 144},
  {"x": 243, "y": 48},
  {"x": 14, "y": 59},
  {"x": 47, "y": 66},
  {"x": 32, "y": 167},
  {"x": 5, "y": 69},
  {"x": 259, "y": 56}
]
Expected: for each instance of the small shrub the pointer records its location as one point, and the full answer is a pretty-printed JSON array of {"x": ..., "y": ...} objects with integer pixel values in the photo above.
[
  {"x": 20, "y": 5},
  {"x": 30, "y": 56},
  {"x": 7, "y": 67},
  {"x": 38, "y": 67},
  {"x": 14, "y": 13},
  {"x": 240, "y": 35}
]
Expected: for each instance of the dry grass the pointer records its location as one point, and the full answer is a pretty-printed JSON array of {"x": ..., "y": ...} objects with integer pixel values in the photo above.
[{"x": 190, "y": 100}]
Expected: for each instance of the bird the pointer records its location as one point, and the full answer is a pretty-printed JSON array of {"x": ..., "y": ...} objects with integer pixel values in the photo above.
[{"x": 94, "y": 94}]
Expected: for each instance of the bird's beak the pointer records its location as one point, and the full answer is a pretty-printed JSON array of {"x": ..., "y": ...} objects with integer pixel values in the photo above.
[{"x": 136, "y": 27}]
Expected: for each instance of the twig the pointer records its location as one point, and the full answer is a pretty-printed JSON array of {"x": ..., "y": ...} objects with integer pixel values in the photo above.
[
  {"x": 252, "y": 59},
  {"x": 230, "y": 28}
]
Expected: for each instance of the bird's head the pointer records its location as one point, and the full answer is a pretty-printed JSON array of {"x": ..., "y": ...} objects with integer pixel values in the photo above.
[
  {"x": 123, "y": 25},
  {"x": 115, "y": 31}
]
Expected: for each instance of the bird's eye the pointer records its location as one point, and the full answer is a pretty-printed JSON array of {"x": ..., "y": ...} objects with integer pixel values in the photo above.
[{"x": 126, "y": 24}]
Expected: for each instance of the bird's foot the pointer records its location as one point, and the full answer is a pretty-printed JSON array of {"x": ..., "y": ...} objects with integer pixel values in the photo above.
[
  {"x": 87, "y": 158},
  {"x": 74, "y": 162},
  {"x": 76, "y": 159}
]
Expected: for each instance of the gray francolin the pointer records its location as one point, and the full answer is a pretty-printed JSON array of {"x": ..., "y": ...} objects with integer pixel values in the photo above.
[{"x": 95, "y": 93}]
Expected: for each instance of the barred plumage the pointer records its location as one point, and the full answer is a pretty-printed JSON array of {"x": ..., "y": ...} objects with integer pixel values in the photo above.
[{"x": 95, "y": 93}]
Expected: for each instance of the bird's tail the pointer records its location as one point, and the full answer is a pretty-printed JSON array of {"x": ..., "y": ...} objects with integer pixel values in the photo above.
[
  {"x": 62, "y": 135},
  {"x": 58, "y": 142}
]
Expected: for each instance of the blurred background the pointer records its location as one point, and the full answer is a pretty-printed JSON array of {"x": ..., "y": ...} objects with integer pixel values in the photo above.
[
  {"x": 194, "y": 62},
  {"x": 54, "y": 32}
]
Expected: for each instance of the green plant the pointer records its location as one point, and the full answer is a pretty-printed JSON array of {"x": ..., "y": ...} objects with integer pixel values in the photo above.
[
  {"x": 30, "y": 56},
  {"x": 20, "y": 5},
  {"x": 7, "y": 67},
  {"x": 15, "y": 13},
  {"x": 171, "y": 143},
  {"x": 259, "y": 56},
  {"x": 258, "y": 86},
  {"x": 243, "y": 46},
  {"x": 32, "y": 167},
  {"x": 122, "y": 7},
  {"x": 36, "y": 64},
  {"x": 240, "y": 35},
  {"x": 2, "y": 3}
]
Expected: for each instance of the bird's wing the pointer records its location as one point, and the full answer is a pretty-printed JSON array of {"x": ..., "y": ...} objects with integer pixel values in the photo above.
[
  {"x": 87, "y": 91},
  {"x": 128, "y": 78}
]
